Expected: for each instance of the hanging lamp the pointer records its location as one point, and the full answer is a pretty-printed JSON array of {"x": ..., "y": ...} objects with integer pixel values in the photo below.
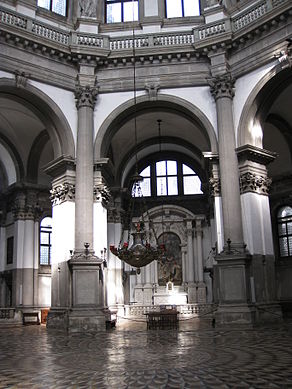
[{"x": 137, "y": 251}]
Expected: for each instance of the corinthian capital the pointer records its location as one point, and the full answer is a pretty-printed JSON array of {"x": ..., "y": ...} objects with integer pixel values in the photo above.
[
  {"x": 86, "y": 96},
  {"x": 222, "y": 86}
]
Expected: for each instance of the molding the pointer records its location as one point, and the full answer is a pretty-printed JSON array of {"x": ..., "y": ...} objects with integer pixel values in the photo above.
[{"x": 255, "y": 154}]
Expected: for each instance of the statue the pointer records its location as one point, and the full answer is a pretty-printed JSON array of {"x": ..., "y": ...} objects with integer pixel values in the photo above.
[{"x": 87, "y": 8}]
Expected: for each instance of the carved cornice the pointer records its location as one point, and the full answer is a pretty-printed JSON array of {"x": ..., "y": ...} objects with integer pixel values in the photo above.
[
  {"x": 215, "y": 186},
  {"x": 255, "y": 154},
  {"x": 86, "y": 96},
  {"x": 26, "y": 207},
  {"x": 222, "y": 86},
  {"x": 62, "y": 192},
  {"x": 256, "y": 183}
]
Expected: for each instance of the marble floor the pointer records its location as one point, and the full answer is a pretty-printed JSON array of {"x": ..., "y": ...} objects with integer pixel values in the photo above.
[{"x": 194, "y": 356}]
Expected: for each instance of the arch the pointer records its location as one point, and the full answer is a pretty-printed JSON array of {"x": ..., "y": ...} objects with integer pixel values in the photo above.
[
  {"x": 259, "y": 102},
  {"x": 47, "y": 111},
  {"x": 164, "y": 102},
  {"x": 34, "y": 155},
  {"x": 12, "y": 161}
]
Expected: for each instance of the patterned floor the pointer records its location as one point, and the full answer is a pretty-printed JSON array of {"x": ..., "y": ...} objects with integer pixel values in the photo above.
[{"x": 195, "y": 356}]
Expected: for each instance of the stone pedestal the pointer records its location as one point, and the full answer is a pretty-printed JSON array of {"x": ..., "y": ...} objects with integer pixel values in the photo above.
[
  {"x": 86, "y": 313},
  {"x": 201, "y": 293},
  {"x": 192, "y": 293},
  {"x": 233, "y": 283}
]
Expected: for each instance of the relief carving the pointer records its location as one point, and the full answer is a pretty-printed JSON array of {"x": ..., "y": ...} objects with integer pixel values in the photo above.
[
  {"x": 63, "y": 192},
  {"x": 87, "y": 8},
  {"x": 251, "y": 182}
]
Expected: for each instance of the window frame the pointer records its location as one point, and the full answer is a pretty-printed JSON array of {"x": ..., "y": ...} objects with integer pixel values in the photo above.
[
  {"x": 49, "y": 244},
  {"x": 153, "y": 177},
  {"x": 122, "y": 2},
  {"x": 286, "y": 235},
  {"x": 182, "y": 9},
  {"x": 50, "y": 9}
]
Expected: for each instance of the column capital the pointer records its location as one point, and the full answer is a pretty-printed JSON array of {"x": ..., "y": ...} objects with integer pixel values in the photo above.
[
  {"x": 62, "y": 192},
  {"x": 222, "y": 86},
  {"x": 85, "y": 96},
  {"x": 256, "y": 183},
  {"x": 215, "y": 186}
]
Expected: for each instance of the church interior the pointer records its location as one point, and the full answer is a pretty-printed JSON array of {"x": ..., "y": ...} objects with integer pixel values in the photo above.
[{"x": 145, "y": 162}]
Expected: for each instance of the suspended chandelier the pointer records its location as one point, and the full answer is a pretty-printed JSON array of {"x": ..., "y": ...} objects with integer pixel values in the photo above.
[{"x": 136, "y": 250}]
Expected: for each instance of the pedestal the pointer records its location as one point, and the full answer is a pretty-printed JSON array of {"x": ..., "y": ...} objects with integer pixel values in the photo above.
[
  {"x": 232, "y": 282},
  {"x": 86, "y": 314}
]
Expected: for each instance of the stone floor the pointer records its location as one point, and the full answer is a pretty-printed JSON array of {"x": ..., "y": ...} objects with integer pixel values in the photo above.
[{"x": 194, "y": 356}]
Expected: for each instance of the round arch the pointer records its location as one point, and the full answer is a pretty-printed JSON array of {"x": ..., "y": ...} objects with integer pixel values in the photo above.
[
  {"x": 129, "y": 109},
  {"x": 47, "y": 111},
  {"x": 258, "y": 104}
]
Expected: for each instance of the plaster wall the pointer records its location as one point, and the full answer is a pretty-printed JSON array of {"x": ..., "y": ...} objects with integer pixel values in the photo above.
[
  {"x": 44, "y": 289},
  {"x": 99, "y": 228},
  {"x": 106, "y": 104},
  {"x": 65, "y": 101},
  {"x": 150, "y": 8},
  {"x": 244, "y": 86},
  {"x": 201, "y": 98},
  {"x": 257, "y": 230},
  {"x": 63, "y": 231}
]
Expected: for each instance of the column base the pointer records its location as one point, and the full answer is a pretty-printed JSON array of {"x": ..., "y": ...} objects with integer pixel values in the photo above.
[
  {"x": 192, "y": 293},
  {"x": 201, "y": 293},
  {"x": 237, "y": 314},
  {"x": 77, "y": 320}
]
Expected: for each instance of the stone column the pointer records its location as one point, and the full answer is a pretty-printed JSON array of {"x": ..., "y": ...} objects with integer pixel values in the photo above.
[
  {"x": 222, "y": 89},
  {"x": 87, "y": 276},
  {"x": 85, "y": 101},
  {"x": 190, "y": 260},
  {"x": 201, "y": 295},
  {"x": 232, "y": 271}
]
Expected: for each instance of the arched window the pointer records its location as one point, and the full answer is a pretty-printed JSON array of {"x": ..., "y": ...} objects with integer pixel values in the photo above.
[
  {"x": 45, "y": 241},
  {"x": 57, "y": 6},
  {"x": 121, "y": 11},
  {"x": 182, "y": 8},
  {"x": 169, "y": 178},
  {"x": 284, "y": 220}
]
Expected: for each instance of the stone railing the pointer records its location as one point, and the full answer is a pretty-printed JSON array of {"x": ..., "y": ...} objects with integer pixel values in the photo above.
[
  {"x": 7, "y": 313},
  {"x": 173, "y": 39},
  {"x": 211, "y": 33},
  {"x": 185, "y": 311},
  {"x": 13, "y": 19},
  {"x": 90, "y": 40},
  {"x": 247, "y": 17},
  {"x": 211, "y": 30},
  {"x": 128, "y": 43},
  {"x": 50, "y": 33}
]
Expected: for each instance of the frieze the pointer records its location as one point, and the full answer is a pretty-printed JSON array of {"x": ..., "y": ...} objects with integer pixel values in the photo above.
[
  {"x": 222, "y": 86},
  {"x": 63, "y": 192},
  {"x": 251, "y": 182}
]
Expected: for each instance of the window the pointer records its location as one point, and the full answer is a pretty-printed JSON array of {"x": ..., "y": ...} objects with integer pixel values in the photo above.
[
  {"x": 9, "y": 250},
  {"x": 169, "y": 178},
  {"x": 45, "y": 241},
  {"x": 284, "y": 220},
  {"x": 182, "y": 8},
  {"x": 121, "y": 11},
  {"x": 57, "y": 6}
]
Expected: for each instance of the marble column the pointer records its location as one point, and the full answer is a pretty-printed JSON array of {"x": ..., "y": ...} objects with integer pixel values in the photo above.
[
  {"x": 222, "y": 89},
  {"x": 231, "y": 274},
  {"x": 87, "y": 277},
  {"x": 192, "y": 295},
  {"x": 85, "y": 101},
  {"x": 201, "y": 291}
]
